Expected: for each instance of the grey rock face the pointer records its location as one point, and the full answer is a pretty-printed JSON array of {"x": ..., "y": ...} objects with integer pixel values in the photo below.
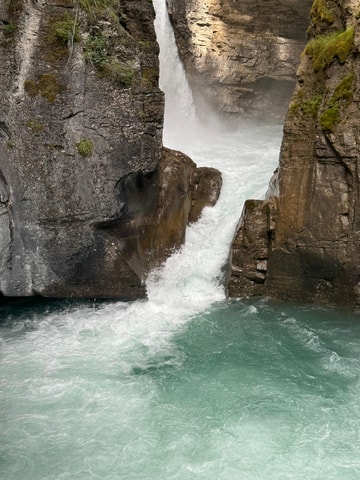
[
  {"x": 308, "y": 233},
  {"x": 80, "y": 145},
  {"x": 241, "y": 56}
]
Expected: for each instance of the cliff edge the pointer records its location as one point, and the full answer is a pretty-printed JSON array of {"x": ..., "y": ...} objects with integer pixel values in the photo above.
[
  {"x": 303, "y": 242},
  {"x": 89, "y": 199}
]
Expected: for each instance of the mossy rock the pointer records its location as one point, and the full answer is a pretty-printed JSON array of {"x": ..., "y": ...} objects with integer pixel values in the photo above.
[
  {"x": 342, "y": 95},
  {"x": 320, "y": 12},
  {"x": 49, "y": 87},
  {"x": 31, "y": 87},
  {"x": 324, "y": 49}
]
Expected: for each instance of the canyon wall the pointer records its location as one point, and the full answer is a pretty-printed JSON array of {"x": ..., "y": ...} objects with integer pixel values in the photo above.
[
  {"x": 89, "y": 199},
  {"x": 241, "y": 56},
  {"x": 303, "y": 242}
]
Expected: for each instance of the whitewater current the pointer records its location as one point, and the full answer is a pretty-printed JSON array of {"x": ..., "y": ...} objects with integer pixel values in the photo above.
[{"x": 185, "y": 385}]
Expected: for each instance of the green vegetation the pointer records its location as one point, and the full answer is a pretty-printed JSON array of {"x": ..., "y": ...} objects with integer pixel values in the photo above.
[
  {"x": 311, "y": 105},
  {"x": 31, "y": 88},
  {"x": 35, "y": 126},
  {"x": 62, "y": 30},
  {"x": 330, "y": 118},
  {"x": 85, "y": 147},
  {"x": 49, "y": 87},
  {"x": 323, "y": 49},
  {"x": 9, "y": 28},
  {"x": 96, "y": 50},
  {"x": 342, "y": 95},
  {"x": 96, "y": 8},
  {"x": 320, "y": 12},
  {"x": 119, "y": 73},
  {"x": 308, "y": 106}
]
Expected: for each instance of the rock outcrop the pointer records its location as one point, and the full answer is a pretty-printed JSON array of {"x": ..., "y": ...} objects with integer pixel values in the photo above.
[
  {"x": 303, "y": 242},
  {"x": 83, "y": 197},
  {"x": 241, "y": 57}
]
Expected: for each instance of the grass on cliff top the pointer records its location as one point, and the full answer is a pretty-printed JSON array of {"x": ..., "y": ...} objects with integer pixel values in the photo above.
[{"x": 323, "y": 49}]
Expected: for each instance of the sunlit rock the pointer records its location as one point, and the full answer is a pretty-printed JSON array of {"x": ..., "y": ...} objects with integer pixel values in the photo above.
[{"x": 241, "y": 57}]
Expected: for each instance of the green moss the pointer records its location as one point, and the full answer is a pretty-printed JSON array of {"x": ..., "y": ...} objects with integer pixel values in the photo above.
[
  {"x": 35, "y": 126},
  {"x": 311, "y": 105},
  {"x": 345, "y": 89},
  {"x": 342, "y": 95},
  {"x": 330, "y": 118},
  {"x": 49, "y": 87},
  {"x": 96, "y": 52},
  {"x": 61, "y": 30},
  {"x": 119, "y": 73},
  {"x": 31, "y": 88},
  {"x": 85, "y": 147},
  {"x": 323, "y": 49},
  {"x": 320, "y": 12},
  {"x": 306, "y": 105}
]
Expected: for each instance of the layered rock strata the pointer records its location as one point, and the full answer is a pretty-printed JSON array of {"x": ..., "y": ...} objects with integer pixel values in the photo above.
[
  {"x": 87, "y": 192},
  {"x": 303, "y": 242},
  {"x": 241, "y": 56}
]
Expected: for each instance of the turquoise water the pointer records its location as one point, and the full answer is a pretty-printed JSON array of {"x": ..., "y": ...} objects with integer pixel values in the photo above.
[{"x": 243, "y": 390}]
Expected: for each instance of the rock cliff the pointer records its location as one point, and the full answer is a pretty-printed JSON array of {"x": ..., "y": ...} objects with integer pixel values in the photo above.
[
  {"x": 86, "y": 190},
  {"x": 241, "y": 56},
  {"x": 303, "y": 242}
]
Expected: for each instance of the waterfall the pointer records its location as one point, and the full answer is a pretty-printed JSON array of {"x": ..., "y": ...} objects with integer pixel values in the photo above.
[{"x": 180, "y": 120}]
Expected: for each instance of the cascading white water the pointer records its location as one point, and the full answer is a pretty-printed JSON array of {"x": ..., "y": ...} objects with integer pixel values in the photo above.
[
  {"x": 184, "y": 385},
  {"x": 180, "y": 121}
]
